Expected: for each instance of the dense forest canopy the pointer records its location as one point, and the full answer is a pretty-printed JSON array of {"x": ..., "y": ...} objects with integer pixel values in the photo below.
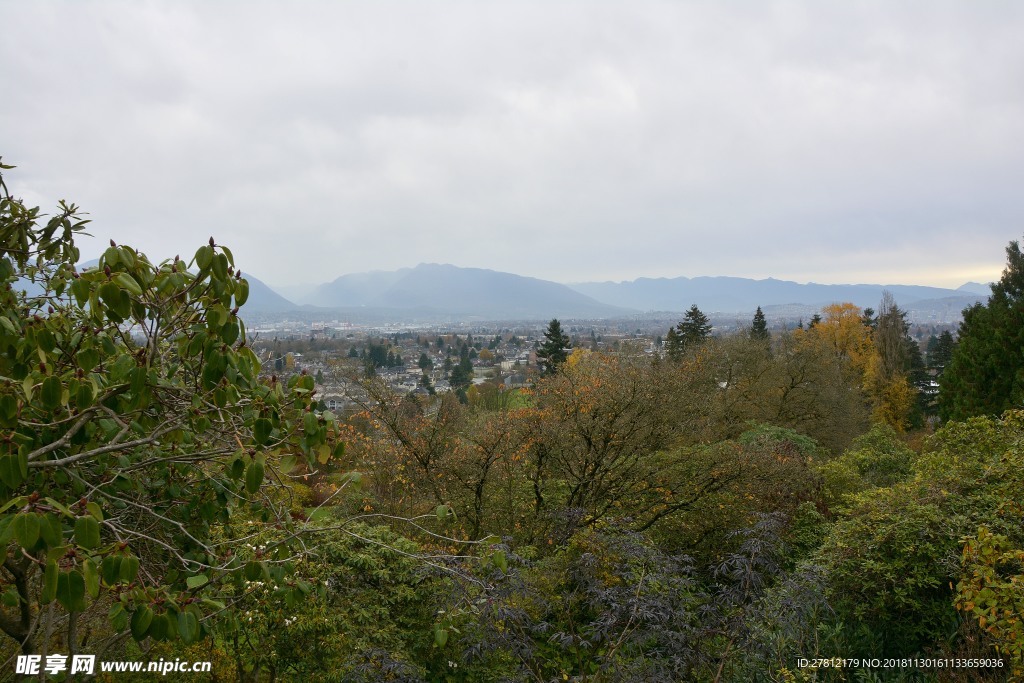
[{"x": 719, "y": 508}]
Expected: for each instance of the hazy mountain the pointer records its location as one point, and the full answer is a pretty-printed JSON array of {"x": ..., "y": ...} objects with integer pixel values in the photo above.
[
  {"x": 437, "y": 289},
  {"x": 975, "y": 288},
  {"x": 262, "y": 299},
  {"x": 729, "y": 294}
]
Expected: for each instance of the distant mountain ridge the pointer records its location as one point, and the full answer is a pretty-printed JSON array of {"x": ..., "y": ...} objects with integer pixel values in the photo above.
[
  {"x": 443, "y": 292},
  {"x": 444, "y": 289},
  {"x": 734, "y": 294}
]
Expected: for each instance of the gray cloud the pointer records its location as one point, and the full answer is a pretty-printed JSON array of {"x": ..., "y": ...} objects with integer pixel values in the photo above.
[{"x": 573, "y": 141}]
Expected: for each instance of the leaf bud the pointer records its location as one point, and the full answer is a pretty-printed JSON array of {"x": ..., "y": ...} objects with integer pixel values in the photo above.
[
  {"x": 112, "y": 243},
  {"x": 106, "y": 270},
  {"x": 212, "y": 243}
]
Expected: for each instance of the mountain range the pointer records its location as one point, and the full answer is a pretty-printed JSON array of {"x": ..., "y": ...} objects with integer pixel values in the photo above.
[
  {"x": 443, "y": 292},
  {"x": 431, "y": 291}
]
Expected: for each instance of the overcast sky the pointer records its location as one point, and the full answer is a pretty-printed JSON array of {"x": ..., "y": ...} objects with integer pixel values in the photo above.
[{"x": 573, "y": 141}]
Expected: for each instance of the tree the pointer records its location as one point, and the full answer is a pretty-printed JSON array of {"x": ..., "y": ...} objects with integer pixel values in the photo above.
[
  {"x": 673, "y": 345},
  {"x": 694, "y": 328},
  {"x": 985, "y": 375},
  {"x": 554, "y": 349},
  {"x": 138, "y": 438},
  {"x": 424, "y": 363},
  {"x": 759, "y": 328},
  {"x": 940, "y": 352}
]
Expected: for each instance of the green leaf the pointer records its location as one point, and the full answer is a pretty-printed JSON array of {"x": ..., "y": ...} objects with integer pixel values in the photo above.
[
  {"x": 118, "y": 617},
  {"x": 141, "y": 620},
  {"x": 220, "y": 266},
  {"x": 241, "y": 292},
  {"x": 84, "y": 396},
  {"x": 87, "y": 532},
  {"x": 92, "y": 579},
  {"x": 204, "y": 255},
  {"x": 253, "y": 477},
  {"x": 440, "y": 636},
  {"x": 129, "y": 568},
  {"x": 261, "y": 431},
  {"x": 94, "y": 509},
  {"x": 26, "y": 529},
  {"x": 51, "y": 531},
  {"x": 441, "y": 512},
  {"x": 71, "y": 591},
  {"x": 237, "y": 468},
  {"x": 253, "y": 571},
  {"x": 110, "y": 568},
  {"x": 197, "y": 581},
  {"x": 188, "y": 627},
  {"x": 49, "y": 591},
  {"x": 126, "y": 281},
  {"x": 51, "y": 392},
  {"x": 10, "y": 470},
  {"x": 88, "y": 359},
  {"x": 500, "y": 561}
]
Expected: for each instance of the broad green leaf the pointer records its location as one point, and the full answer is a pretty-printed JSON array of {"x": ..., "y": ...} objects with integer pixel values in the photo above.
[
  {"x": 129, "y": 568},
  {"x": 26, "y": 529},
  {"x": 118, "y": 617},
  {"x": 440, "y": 636},
  {"x": 204, "y": 255},
  {"x": 51, "y": 392},
  {"x": 87, "y": 532},
  {"x": 141, "y": 620},
  {"x": 51, "y": 531},
  {"x": 261, "y": 430},
  {"x": 197, "y": 581},
  {"x": 188, "y": 627},
  {"x": 110, "y": 568},
  {"x": 71, "y": 591},
  {"x": 126, "y": 281},
  {"x": 253, "y": 477},
  {"x": 241, "y": 292},
  {"x": 10, "y": 470}
]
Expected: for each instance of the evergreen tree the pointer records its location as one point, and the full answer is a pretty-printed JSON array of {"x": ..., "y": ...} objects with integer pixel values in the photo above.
[
  {"x": 424, "y": 362},
  {"x": 694, "y": 328},
  {"x": 555, "y": 348},
  {"x": 985, "y": 375},
  {"x": 759, "y": 328},
  {"x": 673, "y": 345},
  {"x": 940, "y": 352}
]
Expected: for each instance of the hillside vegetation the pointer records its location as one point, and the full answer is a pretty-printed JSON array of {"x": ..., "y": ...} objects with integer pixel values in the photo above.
[{"x": 730, "y": 509}]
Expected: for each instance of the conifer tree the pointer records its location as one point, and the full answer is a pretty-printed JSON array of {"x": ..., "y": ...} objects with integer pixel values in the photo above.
[
  {"x": 555, "y": 348},
  {"x": 694, "y": 327},
  {"x": 759, "y": 328},
  {"x": 985, "y": 375}
]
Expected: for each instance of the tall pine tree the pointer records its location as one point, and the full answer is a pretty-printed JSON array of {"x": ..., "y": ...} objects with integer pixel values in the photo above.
[
  {"x": 759, "y": 328},
  {"x": 985, "y": 375},
  {"x": 554, "y": 350}
]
